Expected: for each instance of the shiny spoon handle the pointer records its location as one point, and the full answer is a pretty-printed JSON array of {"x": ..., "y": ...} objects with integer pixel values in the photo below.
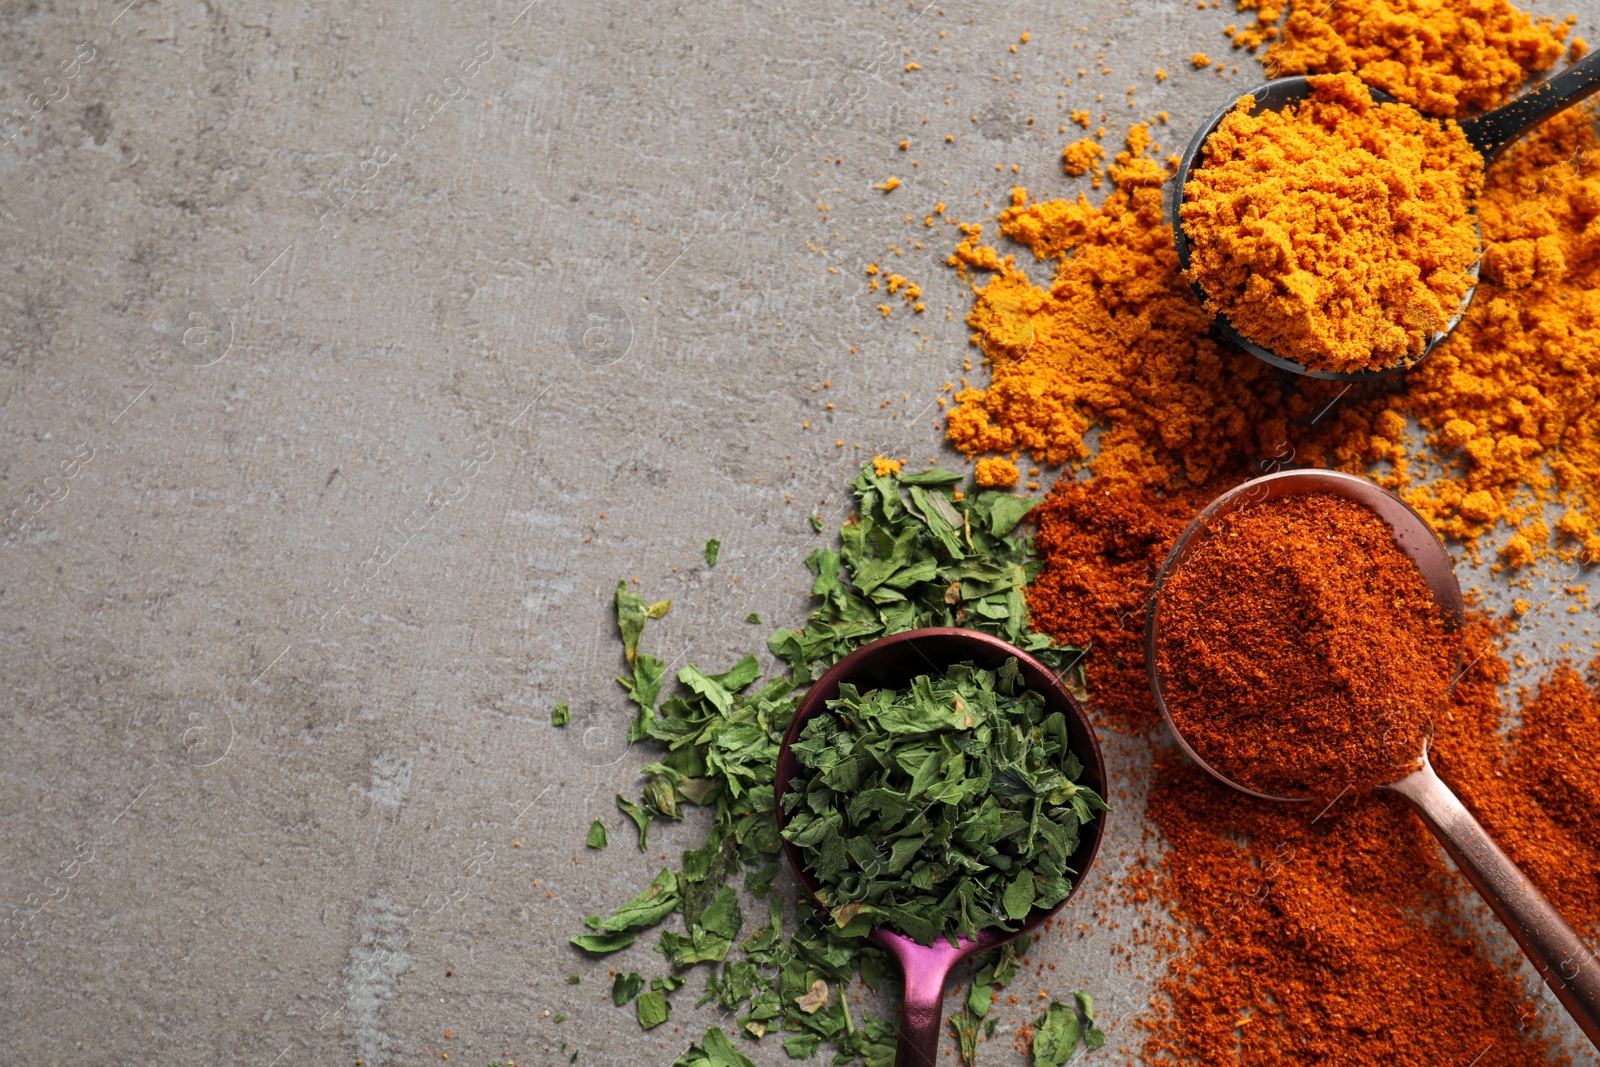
[
  {"x": 1554, "y": 948},
  {"x": 925, "y": 968},
  {"x": 1492, "y": 132}
]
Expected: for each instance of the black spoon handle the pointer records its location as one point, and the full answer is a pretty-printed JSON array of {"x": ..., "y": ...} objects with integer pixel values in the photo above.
[{"x": 1492, "y": 132}]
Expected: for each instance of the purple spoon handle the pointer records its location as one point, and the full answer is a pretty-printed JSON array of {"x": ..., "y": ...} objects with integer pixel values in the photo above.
[{"x": 925, "y": 968}]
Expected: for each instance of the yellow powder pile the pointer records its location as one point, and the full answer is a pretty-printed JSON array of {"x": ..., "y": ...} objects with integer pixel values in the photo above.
[
  {"x": 1447, "y": 57},
  {"x": 1514, "y": 394},
  {"x": 1115, "y": 338},
  {"x": 1336, "y": 232},
  {"x": 1118, "y": 339},
  {"x": 1082, "y": 156}
]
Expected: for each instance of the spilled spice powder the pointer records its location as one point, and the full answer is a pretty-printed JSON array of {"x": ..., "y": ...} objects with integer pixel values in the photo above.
[
  {"x": 1559, "y": 733},
  {"x": 1327, "y": 936},
  {"x": 1100, "y": 549},
  {"x": 1331, "y": 937},
  {"x": 1335, "y": 232},
  {"x": 1336, "y": 935},
  {"x": 1302, "y": 652},
  {"x": 1447, "y": 57},
  {"x": 1532, "y": 789},
  {"x": 1320, "y": 940},
  {"x": 1509, "y": 404}
]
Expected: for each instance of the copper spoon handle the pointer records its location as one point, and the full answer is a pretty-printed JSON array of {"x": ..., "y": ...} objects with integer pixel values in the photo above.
[{"x": 1554, "y": 948}]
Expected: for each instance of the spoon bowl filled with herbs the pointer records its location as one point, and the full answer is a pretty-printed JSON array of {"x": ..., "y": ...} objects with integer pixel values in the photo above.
[{"x": 940, "y": 793}]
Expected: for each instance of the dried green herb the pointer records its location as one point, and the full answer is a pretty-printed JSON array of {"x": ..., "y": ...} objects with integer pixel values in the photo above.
[
  {"x": 714, "y": 1051},
  {"x": 947, "y": 807},
  {"x": 655, "y": 903},
  {"x": 914, "y": 555},
  {"x": 597, "y": 834},
  {"x": 574, "y": 979},
  {"x": 641, "y": 816},
  {"x": 1058, "y": 1031},
  {"x": 997, "y": 971},
  {"x": 652, "y": 1009},
  {"x": 600, "y": 944},
  {"x": 753, "y": 617},
  {"x": 625, "y": 987},
  {"x": 560, "y": 715},
  {"x": 713, "y": 550}
]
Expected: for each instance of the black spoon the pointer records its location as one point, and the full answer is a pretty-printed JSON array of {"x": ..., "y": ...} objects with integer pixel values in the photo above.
[{"x": 1490, "y": 133}]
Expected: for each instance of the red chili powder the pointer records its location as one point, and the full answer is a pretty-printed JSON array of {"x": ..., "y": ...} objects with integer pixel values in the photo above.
[
  {"x": 1101, "y": 549},
  {"x": 1304, "y": 936},
  {"x": 1302, "y": 651}
]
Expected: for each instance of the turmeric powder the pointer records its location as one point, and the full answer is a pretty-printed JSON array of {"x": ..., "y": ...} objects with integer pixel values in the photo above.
[
  {"x": 1336, "y": 233},
  {"x": 1445, "y": 57},
  {"x": 1081, "y": 156},
  {"x": 1508, "y": 406}
]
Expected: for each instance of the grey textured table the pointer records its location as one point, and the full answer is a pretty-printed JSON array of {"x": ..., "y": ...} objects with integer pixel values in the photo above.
[{"x": 349, "y": 355}]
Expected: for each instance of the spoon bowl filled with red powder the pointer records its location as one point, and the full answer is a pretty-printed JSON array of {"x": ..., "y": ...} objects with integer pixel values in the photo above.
[
  {"x": 1302, "y": 635},
  {"x": 1307, "y": 627}
]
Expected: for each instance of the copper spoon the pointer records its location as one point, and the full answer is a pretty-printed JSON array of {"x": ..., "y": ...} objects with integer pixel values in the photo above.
[
  {"x": 1555, "y": 949},
  {"x": 1490, "y": 133},
  {"x": 892, "y": 662}
]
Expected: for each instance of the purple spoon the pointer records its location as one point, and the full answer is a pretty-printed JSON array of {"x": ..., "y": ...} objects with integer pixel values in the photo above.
[{"x": 893, "y": 662}]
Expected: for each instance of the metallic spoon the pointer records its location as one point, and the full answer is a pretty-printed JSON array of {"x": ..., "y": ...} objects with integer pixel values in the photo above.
[
  {"x": 1556, "y": 951},
  {"x": 893, "y": 662},
  {"x": 1490, "y": 133}
]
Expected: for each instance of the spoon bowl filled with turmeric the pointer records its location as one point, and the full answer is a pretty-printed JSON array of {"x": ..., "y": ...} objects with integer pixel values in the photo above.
[
  {"x": 1302, "y": 635},
  {"x": 1331, "y": 229}
]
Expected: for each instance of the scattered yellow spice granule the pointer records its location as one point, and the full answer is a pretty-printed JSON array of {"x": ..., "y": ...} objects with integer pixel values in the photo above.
[
  {"x": 1200, "y": 60},
  {"x": 997, "y": 472},
  {"x": 889, "y": 186},
  {"x": 1082, "y": 156},
  {"x": 1161, "y": 75},
  {"x": 1337, "y": 232},
  {"x": 884, "y": 466},
  {"x": 1081, "y": 117}
]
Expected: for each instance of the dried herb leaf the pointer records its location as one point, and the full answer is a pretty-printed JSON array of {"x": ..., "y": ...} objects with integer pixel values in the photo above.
[
  {"x": 813, "y": 998},
  {"x": 652, "y": 1009},
  {"x": 631, "y": 616},
  {"x": 903, "y": 560},
  {"x": 625, "y": 987},
  {"x": 949, "y": 806},
  {"x": 716, "y": 1050},
  {"x": 965, "y": 1024},
  {"x": 713, "y": 550},
  {"x": 597, "y": 834},
  {"x": 600, "y": 944},
  {"x": 1058, "y": 1031},
  {"x": 641, "y": 818},
  {"x": 658, "y": 900}
]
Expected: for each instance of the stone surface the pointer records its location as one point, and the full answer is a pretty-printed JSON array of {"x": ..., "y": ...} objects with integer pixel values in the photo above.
[{"x": 349, "y": 354}]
